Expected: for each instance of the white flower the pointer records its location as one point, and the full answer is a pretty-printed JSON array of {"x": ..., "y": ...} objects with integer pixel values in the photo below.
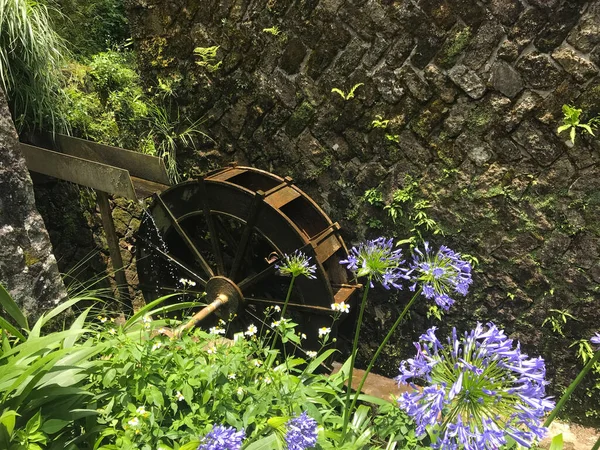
[
  {"x": 179, "y": 396},
  {"x": 156, "y": 346},
  {"x": 268, "y": 380},
  {"x": 303, "y": 336},
  {"x": 147, "y": 318},
  {"x": 276, "y": 323},
  {"x": 344, "y": 307},
  {"x": 277, "y": 308},
  {"x": 222, "y": 322},
  {"x": 161, "y": 331},
  {"x": 231, "y": 376},
  {"x": 211, "y": 350},
  {"x": 216, "y": 330},
  {"x": 134, "y": 422},
  {"x": 112, "y": 331},
  {"x": 324, "y": 331},
  {"x": 103, "y": 319},
  {"x": 141, "y": 410},
  {"x": 311, "y": 354},
  {"x": 257, "y": 363},
  {"x": 251, "y": 331},
  {"x": 334, "y": 306},
  {"x": 240, "y": 391},
  {"x": 185, "y": 282}
]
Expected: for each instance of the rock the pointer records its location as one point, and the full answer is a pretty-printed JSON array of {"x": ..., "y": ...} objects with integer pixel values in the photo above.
[
  {"x": 293, "y": 56},
  {"x": 415, "y": 84},
  {"x": 575, "y": 64},
  {"x": 28, "y": 268},
  {"x": 530, "y": 23},
  {"x": 507, "y": 11},
  {"x": 506, "y": 79},
  {"x": 483, "y": 44},
  {"x": 435, "y": 77},
  {"x": 538, "y": 70},
  {"x": 508, "y": 51},
  {"x": 555, "y": 31},
  {"x": 539, "y": 144},
  {"x": 477, "y": 150},
  {"x": 524, "y": 105},
  {"x": 586, "y": 34},
  {"x": 457, "y": 118},
  {"x": 467, "y": 80}
]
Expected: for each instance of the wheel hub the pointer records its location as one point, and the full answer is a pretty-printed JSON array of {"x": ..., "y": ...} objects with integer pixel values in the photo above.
[{"x": 219, "y": 287}]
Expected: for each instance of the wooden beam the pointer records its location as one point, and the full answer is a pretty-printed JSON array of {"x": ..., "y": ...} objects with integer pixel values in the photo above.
[{"x": 101, "y": 177}]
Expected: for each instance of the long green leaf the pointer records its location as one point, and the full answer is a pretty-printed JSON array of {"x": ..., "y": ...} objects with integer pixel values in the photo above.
[
  {"x": 34, "y": 345},
  {"x": 12, "y": 330},
  {"x": 268, "y": 443},
  {"x": 12, "y": 309},
  {"x": 557, "y": 442},
  {"x": 77, "y": 325},
  {"x": 146, "y": 309}
]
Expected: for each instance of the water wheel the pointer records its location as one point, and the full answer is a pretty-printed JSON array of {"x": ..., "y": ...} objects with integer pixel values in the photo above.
[{"x": 226, "y": 233}]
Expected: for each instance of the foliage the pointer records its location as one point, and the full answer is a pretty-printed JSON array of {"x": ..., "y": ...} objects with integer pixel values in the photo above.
[
  {"x": 31, "y": 58},
  {"x": 91, "y": 26},
  {"x": 274, "y": 30},
  {"x": 380, "y": 122},
  {"x": 350, "y": 94},
  {"x": 107, "y": 104},
  {"x": 42, "y": 387},
  {"x": 207, "y": 58},
  {"x": 572, "y": 121},
  {"x": 558, "y": 319}
]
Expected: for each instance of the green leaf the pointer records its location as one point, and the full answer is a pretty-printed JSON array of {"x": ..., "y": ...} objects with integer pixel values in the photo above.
[
  {"x": 573, "y": 135},
  {"x": 12, "y": 330},
  {"x": 34, "y": 423},
  {"x": 12, "y": 309},
  {"x": 340, "y": 92},
  {"x": 54, "y": 425},
  {"x": 193, "y": 445},
  {"x": 77, "y": 325},
  {"x": 318, "y": 360},
  {"x": 7, "y": 419},
  {"x": 142, "y": 311},
  {"x": 563, "y": 128},
  {"x": 587, "y": 128},
  {"x": 557, "y": 442},
  {"x": 268, "y": 443}
]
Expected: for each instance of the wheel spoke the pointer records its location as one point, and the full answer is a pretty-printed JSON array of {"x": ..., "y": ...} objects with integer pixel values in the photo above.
[
  {"x": 207, "y": 269},
  {"x": 309, "y": 308},
  {"x": 257, "y": 202},
  {"x": 253, "y": 279},
  {"x": 214, "y": 239},
  {"x": 174, "y": 260}
]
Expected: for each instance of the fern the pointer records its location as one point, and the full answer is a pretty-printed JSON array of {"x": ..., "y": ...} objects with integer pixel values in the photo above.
[{"x": 350, "y": 94}]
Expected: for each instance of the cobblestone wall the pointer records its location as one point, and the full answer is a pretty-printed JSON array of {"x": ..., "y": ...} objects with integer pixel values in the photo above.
[{"x": 473, "y": 94}]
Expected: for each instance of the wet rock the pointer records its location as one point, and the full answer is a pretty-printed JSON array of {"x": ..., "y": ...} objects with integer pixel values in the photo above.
[
  {"x": 477, "y": 150},
  {"x": 457, "y": 118},
  {"x": 483, "y": 44},
  {"x": 444, "y": 87},
  {"x": 507, "y": 11},
  {"x": 506, "y": 79},
  {"x": 557, "y": 29},
  {"x": 586, "y": 35},
  {"x": 293, "y": 56},
  {"x": 415, "y": 84},
  {"x": 467, "y": 80},
  {"x": 530, "y": 23}
]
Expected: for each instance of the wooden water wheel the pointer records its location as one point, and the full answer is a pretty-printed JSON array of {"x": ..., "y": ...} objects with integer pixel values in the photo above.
[{"x": 226, "y": 233}]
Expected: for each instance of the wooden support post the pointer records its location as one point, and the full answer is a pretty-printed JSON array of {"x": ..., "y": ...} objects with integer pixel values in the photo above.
[{"x": 113, "y": 247}]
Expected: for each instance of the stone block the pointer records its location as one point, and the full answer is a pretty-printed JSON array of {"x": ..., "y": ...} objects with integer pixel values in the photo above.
[
  {"x": 574, "y": 63},
  {"x": 417, "y": 86},
  {"x": 525, "y": 104},
  {"x": 538, "y": 143},
  {"x": 483, "y": 44},
  {"x": 507, "y": 11},
  {"x": 477, "y": 150},
  {"x": 457, "y": 40},
  {"x": 390, "y": 88},
  {"x": 456, "y": 119},
  {"x": 293, "y": 56},
  {"x": 508, "y": 51},
  {"x": 539, "y": 71},
  {"x": 530, "y": 23},
  {"x": 442, "y": 84},
  {"x": 467, "y": 80},
  {"x": 586, "y": 35},
  {"x": 505, "y": 79},
  {"x": 441, "y": 12},
  {"x": 300, "y": 119},
  {"x": 557, "y": 29}
]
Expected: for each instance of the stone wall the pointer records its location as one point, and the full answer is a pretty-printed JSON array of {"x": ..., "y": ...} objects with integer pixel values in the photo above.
[
  {"x": 473, "y": 94},
  {"x": 28, "y": 268}
]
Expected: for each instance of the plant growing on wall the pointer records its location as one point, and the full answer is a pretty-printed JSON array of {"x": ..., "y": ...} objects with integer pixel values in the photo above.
[
  {"x": 572, "y": 122},
  {"x": 350, "y": 94}
]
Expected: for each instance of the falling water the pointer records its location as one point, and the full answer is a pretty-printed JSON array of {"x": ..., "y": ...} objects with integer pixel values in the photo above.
[{"x": 162, "y": 245}]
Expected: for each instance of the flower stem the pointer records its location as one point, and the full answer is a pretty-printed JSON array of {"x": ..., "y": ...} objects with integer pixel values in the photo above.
[
  {"x": 570, "y": 390},
  {"x": 287, "y": 299},
  {"x": 381, "y": 346},
  {"x": 353, "y": 358}
]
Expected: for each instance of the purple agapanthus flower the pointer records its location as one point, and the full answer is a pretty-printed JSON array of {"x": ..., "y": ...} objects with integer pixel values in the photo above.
[
  {"x": 440, "y": 274},
  {"x": 479, "y": 390},
  {"x": 301, "y": 432},
  {"x": 596, "y": 340},
  {"x": 377, "y": 260},
  {"x": 222, "y": 438},
  {"x": 296, "y": 264}
]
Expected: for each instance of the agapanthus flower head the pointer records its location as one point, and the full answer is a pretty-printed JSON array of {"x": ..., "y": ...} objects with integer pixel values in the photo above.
[
  {"x": 441, "y": 274},
  {"x": 596, "y": 340},
  {"x": 301, "y": 432},
  {"x": 479, "y": 389},
  {"x": 222, "y": 438},
  {"x": 296, "y": 264},
  {"x": 377, "y": 260}
]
